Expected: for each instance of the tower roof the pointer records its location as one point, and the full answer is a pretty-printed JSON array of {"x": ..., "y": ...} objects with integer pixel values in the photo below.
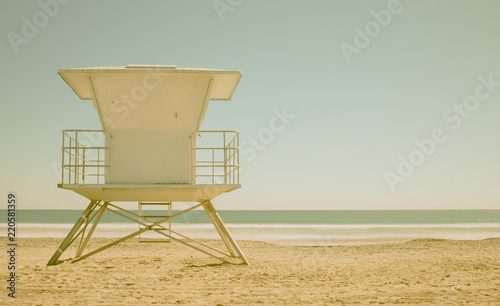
[
  {"x": 159, "y": 97},
  {"x": 224, "y": 81}
]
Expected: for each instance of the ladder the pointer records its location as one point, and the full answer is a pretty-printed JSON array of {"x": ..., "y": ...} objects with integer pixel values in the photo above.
[{"x": 159, "y": 214}]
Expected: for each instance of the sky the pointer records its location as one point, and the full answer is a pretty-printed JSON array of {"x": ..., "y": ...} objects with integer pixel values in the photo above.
[{"x": 342, "y": 104}]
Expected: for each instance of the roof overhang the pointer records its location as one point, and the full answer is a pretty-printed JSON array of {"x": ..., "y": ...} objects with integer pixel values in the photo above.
[{"x": 224, "y": 81}]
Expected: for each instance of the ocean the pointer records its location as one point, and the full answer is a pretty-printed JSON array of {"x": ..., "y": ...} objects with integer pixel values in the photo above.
[{"x": 306, "y": 228}]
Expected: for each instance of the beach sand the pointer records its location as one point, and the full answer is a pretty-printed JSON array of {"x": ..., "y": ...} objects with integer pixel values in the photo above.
[{"x": 133, "y": 273}]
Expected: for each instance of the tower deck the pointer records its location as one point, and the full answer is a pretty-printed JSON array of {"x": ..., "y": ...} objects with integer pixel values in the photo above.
[{"x": 150, "y": 192}]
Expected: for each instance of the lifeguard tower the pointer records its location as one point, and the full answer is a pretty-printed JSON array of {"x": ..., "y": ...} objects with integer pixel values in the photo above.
[{"x": 150, "y": 151}]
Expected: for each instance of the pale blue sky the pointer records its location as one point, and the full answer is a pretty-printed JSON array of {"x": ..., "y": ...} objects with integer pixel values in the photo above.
[{"x": 352, "y": 119}]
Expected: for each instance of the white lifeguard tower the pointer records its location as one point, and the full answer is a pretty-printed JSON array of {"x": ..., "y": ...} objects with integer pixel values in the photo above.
[{"x": 150, "y": 150}]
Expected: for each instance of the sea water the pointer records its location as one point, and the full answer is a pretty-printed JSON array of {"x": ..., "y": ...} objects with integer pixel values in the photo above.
[{"x": 345, "y": 227}]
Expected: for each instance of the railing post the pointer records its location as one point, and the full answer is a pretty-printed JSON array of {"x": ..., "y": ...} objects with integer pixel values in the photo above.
[
  {"x": 77, "y": 157},
  {"x": 83, "y": 168},
  {"x": 107, "y": 158},
  {"x": 62, "y": 158},
  {"x": 194, "y": 138},
  {"x": 238, "y": 156},
  {"x": 225, "y": 156},
  {"x": 99, "y": 164},
  {"x": 213, "y": 166},
  {"x": 70, "y": 156}
]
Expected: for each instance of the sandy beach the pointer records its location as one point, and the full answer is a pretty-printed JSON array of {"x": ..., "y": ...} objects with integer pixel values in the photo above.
[{"x": 133, "y": 273}]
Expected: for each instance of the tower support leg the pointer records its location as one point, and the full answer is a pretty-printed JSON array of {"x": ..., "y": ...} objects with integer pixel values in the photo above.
[
  {"x": 69, "y": 238},
  {"x": 91, "y": 231},
  {"x": 231, "y": 244}
]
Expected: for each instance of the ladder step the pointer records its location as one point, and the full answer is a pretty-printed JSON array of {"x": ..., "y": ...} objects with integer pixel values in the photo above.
[
  {"x": 165, "y": 212},
  {"x": 154, "y": 227},
  {"x": 154, "y": 216},
  {"x": 166, "y": 203}
]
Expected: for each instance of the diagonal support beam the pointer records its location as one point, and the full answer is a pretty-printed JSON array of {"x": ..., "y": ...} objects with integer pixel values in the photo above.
[
  {"x": 221, "y": 234},
  {"x": 107, "y": 246},
  {"x": 83, "y": 229},
  {"x": 69, "y": 238},
  {"x": 171, "y": 231},
  {"x": 91, "y": 231},
  {"x": 178, "y": 214},
  {"x": 190, "y": 245},
  {"x": 214, "y": 216}
]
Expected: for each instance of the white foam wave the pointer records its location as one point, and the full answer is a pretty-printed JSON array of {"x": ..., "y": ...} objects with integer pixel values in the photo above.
[{"x": 293, "y": 234}]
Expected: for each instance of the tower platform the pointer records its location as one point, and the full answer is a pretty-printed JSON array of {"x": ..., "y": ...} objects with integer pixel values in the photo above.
[{"x": 150, "y": 192}]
